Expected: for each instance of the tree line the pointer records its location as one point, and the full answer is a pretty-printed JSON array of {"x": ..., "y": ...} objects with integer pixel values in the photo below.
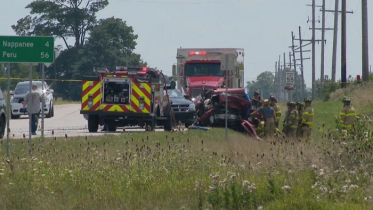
[{"x": 107, "y": 42}]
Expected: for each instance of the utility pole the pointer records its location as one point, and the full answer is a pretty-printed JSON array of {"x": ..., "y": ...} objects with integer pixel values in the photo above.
[
  {"x": 275, "y": 85},
  {"x": 335, "y": 38},
  {"x": 365, "y": 53},
  {"x": 343, "y": 49},
  {"x": 278, "y": 77},
  {"x": 295, "y": 62},
  {"x": 313, "y": 49},
  {"x": 284, "y": 73},
  {"x": 290, "y": 91},
  {"x": 322, "y": 44}
]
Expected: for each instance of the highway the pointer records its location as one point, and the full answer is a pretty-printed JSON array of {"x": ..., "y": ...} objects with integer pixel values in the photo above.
[{"x": 67, "y": 120}]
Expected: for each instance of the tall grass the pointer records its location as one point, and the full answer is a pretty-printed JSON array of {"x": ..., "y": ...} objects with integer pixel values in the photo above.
[{"x": 194, "y": 170}]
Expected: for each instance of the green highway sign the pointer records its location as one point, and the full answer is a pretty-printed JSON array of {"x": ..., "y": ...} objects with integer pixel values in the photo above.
[{"x": 26, "y": 49}]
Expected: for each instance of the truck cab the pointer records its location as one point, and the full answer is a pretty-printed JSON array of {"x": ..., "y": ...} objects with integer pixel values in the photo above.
[{"x": 199, "y": 69}]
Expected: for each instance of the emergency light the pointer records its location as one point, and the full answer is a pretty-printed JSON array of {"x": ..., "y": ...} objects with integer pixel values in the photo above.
[{"x": 197, "y": 53}]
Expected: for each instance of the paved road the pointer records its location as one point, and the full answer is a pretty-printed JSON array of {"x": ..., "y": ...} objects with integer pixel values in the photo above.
[{"x": 66, "y": 120}]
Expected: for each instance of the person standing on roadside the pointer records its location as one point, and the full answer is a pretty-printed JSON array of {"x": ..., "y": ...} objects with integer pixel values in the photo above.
[
  {"x": 32, "y": 100},
  {"x": 273, "y": 104}
]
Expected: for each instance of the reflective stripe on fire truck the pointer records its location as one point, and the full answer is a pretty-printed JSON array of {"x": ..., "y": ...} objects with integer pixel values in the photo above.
[{"x": 91, "y": 88}]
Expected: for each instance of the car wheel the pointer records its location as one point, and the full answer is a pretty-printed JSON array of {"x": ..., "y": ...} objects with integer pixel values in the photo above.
[
  {"x": 49, "y": 115},
  {"x": 12, "y": 116},
  {"x": 2, "y": 126},
  {"x": 52, "y": 110}
]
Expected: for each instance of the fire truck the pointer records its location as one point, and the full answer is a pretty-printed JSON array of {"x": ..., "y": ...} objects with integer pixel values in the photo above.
[
  {"x": 127, "y": 96},
  {"x": 199, "y": 69}
]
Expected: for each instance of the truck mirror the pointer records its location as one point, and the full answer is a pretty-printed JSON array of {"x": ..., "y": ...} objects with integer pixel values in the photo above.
[
  {"x": 186, "y": 96},
  {"x": 174, "y": 70},
  {"x": 173, "y": 84}
]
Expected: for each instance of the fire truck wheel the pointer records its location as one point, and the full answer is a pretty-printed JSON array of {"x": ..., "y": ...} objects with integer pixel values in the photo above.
[
  {"x": 168, "y": 124},
  {"x": 92, "y": 123},
  {"x": 112, "y": 127}
]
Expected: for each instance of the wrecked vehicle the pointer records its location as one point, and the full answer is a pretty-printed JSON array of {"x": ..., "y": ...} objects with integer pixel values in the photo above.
[{"x": 211, "y": 110}]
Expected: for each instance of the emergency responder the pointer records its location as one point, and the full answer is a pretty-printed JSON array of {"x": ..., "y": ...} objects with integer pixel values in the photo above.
[
  {"x": 300, "y": 108},
  {"x": 256, "y": 101},
  {"x": 291, "y": 122},
  {"x": 269, "y": 118},
  {"x": 307, "y": 120},
  {"x": 348, "y": 114},
  {"x": 273, "y": 104}
]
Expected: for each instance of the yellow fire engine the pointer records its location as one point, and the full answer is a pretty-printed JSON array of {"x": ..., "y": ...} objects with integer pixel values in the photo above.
[{"x": 127, "y": 96}]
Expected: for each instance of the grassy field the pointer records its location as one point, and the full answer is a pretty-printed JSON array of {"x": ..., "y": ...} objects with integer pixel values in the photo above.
[{"x": 193, "y": 170}]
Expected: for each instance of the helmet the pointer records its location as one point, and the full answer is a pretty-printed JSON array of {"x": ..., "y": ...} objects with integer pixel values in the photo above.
[
  {"x": 265, "y": 102},
  {"x": 272, "y": 98},
  {"x": 291, "y": 104},
  {"x": 256, "y": 93},
  {"x": 307, "y": 100},
  {"x": 346, "y": 100}
]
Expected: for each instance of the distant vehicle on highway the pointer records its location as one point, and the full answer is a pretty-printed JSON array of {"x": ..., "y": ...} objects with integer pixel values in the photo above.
[
  {"x": 19, "y": 93},
  {"x": 184, "y": 110}
]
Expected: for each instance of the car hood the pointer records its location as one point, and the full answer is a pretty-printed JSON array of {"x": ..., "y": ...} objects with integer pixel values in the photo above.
[
  {"x": 207, "y": 81},
  {"x": 19, "y": 95},
  {"x": 180, "y": 101}
]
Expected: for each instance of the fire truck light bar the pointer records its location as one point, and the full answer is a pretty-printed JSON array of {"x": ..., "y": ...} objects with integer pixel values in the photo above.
[
  {"x": 123, "y": 68},
  {"x": 197, "y": 53}
]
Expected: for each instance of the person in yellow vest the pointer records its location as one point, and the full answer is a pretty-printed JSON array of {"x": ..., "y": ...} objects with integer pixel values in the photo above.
[
  {"x": 273, "y": 104},
  {"x": 307, "y": 120},
  {"x": 291, "y": 123},
  {"x": 348, "y": 114},
  {"x": 300, "y": 109}
]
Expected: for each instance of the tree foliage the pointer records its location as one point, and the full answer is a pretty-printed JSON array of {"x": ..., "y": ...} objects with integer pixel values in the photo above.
[
  {"x": 111, "y": 43},
  {"x": 263, "y": 83},
  {"x": 60, "y": 18}
]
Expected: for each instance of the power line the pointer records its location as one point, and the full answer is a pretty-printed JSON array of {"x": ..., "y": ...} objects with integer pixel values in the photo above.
[{"x": 185, "y": 2}]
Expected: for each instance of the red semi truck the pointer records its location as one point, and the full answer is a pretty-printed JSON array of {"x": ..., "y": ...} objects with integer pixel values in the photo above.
[{"x": 199, "y": 69}]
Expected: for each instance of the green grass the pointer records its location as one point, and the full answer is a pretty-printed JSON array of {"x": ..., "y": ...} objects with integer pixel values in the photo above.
[{"x": 192, "y": 170}]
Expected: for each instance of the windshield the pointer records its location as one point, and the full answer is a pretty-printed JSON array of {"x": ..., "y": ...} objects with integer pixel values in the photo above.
[
  {"x": 174, "y": 93},
  {"x": 203, "y": 69},
  {"x": 24, "y": 88}
]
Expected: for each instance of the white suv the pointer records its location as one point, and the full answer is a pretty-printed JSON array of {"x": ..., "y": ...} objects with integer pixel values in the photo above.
[{"x": 19, "y": 93}]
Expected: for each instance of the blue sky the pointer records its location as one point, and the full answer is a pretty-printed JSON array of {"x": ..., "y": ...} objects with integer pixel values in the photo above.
[{"x": 262, "y": 27}]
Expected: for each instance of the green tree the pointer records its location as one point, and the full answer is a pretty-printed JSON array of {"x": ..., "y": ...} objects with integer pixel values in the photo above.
[
  {"x": 60, "y": 18},
  {"x": 263, "y": 83},
  {"x": 18, "y": 71},
  {"x": 111, "y": 43}
]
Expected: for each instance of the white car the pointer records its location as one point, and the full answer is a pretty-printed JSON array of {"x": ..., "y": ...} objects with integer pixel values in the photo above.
[{"x": 19, "y": 93}]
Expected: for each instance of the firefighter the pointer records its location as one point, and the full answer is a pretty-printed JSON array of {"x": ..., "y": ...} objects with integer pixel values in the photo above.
[
  {"x": 273, "y": 104},
  {"x": 269, "y": 118},
  {"x": 307, "y": 120},
  {"x": 291, "y": 122},
  {"x": 348, "y": 114},
  {"x": 256, "y": 101},
  {"x": 300, "y": 109}
]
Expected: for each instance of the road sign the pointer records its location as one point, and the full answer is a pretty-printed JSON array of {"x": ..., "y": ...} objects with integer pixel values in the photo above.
[
  {"x": 26, "y": 49},
  {"x": 290, "y": 77}
]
